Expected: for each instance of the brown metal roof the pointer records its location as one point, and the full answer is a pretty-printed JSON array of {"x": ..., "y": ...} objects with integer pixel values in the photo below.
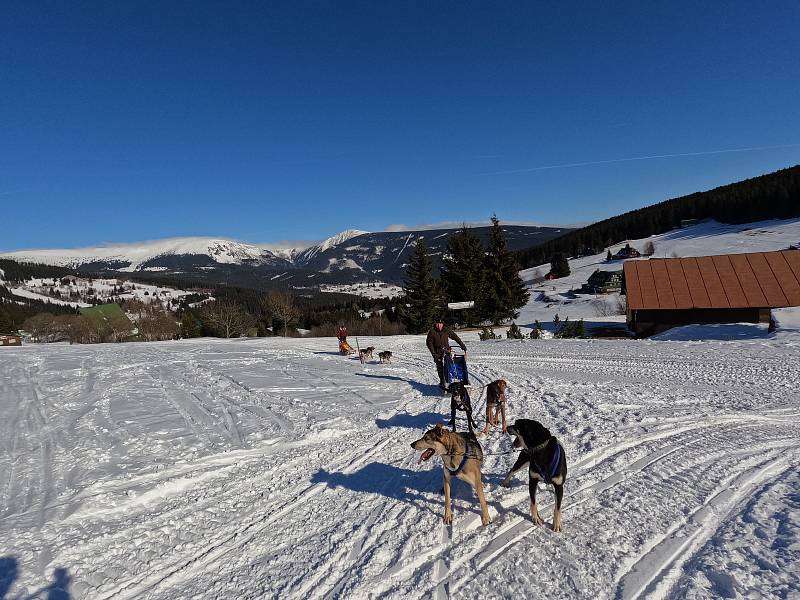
[{"x": 753, "y": 280}]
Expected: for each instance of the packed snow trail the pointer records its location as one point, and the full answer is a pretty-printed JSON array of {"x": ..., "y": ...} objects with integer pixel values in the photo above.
[{"x": 277, "y": 468}]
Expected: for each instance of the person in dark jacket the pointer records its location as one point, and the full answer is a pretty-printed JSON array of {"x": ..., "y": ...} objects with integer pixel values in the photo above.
[{"x": 438, "y": 341}]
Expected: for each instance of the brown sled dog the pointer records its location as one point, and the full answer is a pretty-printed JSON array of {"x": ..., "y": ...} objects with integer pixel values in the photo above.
[
  {"x": 461, "y": 457},
  {"x": 495, "y": 404}
]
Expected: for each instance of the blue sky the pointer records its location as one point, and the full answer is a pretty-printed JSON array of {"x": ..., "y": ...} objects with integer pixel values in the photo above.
[{"x": 125, "y": 121}]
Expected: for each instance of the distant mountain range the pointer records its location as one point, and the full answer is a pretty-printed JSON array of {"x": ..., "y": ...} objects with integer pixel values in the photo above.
[{"x": 348, "y": 257}]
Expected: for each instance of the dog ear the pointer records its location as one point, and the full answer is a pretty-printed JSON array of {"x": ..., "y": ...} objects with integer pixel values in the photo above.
[{"x": 438, "y": 429}]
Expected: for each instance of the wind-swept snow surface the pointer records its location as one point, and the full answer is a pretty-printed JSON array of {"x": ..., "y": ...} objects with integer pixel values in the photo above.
[{"x": 277, "y": 468}]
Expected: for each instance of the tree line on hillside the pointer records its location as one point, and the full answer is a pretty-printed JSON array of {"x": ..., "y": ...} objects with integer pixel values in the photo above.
[
  {"x": 22, "y": 271},
  {"x": 487, "y": 276},
  {"x": 772, "y": 196},
  {"x": 234, "y": 312}
]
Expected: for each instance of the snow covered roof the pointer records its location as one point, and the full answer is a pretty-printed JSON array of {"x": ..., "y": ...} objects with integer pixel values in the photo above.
[{"x": 751, "y": 280}]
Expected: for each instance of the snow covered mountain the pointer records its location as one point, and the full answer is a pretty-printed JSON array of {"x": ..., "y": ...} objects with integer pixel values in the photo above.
[
  {"x": 303, "y": 257},
  {"x": 348, "y": 257},
  {"x": 154, "y": 255}
]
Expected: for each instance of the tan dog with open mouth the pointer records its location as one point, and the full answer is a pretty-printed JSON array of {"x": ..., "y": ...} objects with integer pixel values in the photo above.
[{"x": 461, "y": 457}]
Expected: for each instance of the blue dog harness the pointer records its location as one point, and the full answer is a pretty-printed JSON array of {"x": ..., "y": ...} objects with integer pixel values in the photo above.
[
  {"x": 463, "y": 460},
  {"x": 552, "y": 471}
]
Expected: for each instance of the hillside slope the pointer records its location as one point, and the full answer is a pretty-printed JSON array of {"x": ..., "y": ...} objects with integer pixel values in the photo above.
[
  {"x": 772, "y": 196},
  {"x": 703, "y": 239}
]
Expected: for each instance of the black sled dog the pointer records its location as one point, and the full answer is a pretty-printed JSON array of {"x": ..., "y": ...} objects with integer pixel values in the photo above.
[{"x": 546, "y": 462}]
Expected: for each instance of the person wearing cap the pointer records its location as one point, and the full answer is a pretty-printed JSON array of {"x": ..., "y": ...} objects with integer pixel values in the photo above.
[{"x": 438, "y": 341}]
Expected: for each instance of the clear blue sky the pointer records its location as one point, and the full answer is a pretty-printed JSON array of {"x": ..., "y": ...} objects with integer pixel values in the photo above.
[{"x": 264, "y": 121}]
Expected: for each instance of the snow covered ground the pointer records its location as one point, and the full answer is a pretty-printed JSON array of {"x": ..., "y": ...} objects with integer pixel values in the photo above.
[
  {"x": 277, "y": 468},
  {"x": 378, "y": 289}
]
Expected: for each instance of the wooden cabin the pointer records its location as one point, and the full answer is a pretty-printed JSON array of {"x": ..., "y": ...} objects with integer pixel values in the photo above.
[
  {"x": 729, "y": 288},
  {"x": 10, "y": 340}
]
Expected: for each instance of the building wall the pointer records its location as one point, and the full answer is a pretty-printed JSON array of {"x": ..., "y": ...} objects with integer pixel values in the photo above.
[{"x": 650, "y": 322}]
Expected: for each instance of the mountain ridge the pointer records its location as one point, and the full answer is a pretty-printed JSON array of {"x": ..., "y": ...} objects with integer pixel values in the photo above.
[{"x": 349, "y": 256}]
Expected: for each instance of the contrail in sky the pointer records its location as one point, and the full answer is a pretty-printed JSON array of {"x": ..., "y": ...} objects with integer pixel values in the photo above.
[{"x": 632, "y": 158}]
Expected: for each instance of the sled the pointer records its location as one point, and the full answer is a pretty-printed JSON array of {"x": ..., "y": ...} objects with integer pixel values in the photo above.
[
  {"x": 455, "y": 369},
  {"x": 345, "y": 348}
]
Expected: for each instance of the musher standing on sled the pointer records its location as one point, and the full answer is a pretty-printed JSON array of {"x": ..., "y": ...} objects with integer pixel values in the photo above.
[{"x": 438, "y": 341}]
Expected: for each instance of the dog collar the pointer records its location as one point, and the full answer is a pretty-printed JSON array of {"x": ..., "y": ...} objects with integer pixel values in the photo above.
[{"x": 540, "y": 446}]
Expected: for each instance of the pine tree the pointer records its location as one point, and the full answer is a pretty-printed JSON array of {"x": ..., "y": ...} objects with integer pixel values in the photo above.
[
  {"x": 6, "y": 324},
  {"x": 505, "y": 290},
  {"x": 461, "y": 274},
  {"x": 559, "y": 265},
  {"x": 422, "y": 295},
  {"x": 190, "y": 326}
]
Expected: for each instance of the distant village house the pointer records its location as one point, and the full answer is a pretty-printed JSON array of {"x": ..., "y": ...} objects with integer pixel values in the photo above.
[
  {"x": 10, "y": 340},
  {"x": 603, "y": 282},
  {"x": 627, "y": 252}
]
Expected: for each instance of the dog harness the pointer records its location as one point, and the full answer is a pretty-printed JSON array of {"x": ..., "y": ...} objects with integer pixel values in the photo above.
[
  {"x": 461, "y": 400},
  {"x": 552, "y": 471},
  {"x": 463, "y": 460}
]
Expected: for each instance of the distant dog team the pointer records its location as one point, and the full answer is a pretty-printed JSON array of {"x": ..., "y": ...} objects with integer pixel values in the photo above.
[{"x": 368, "y": 354}]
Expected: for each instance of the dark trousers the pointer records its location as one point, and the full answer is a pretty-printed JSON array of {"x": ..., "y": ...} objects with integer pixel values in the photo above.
[{"x": 440, "y": 371}]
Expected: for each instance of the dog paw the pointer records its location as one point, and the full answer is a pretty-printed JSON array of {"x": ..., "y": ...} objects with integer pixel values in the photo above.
[
  {"x": 486, "y": 521},
  {"x": 506, "y": 483},
  {"x": 448, "y": 519}
]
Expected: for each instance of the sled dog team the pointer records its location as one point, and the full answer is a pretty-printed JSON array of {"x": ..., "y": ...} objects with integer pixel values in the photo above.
[
  {"x": 462, "y": 453},
  {"x": 462, "y": 456}
]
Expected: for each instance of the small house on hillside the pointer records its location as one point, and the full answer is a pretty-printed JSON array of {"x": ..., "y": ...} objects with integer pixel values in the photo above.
[
  {"x": 729, "y": 288},
  {"x": 10, "y": 339},
  {"x": 627, "y": 252},
  {"x": 603, "y": 282}
]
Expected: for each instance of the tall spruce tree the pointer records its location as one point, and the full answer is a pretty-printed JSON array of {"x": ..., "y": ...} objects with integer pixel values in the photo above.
[
  {"x": 462, "y": 276},
  {"x": 6, "y": 322},
  {"x": 422, "y": 295},
  {"x": 559, "y": 265},
  {"x": 505, "y": 290}
]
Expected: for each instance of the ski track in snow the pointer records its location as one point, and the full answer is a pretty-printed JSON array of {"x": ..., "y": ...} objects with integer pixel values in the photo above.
[{"x": 277, "y": 468}]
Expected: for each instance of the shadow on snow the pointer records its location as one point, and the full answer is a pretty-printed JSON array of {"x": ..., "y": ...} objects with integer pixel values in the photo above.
[
  {"x": 426, "y": 389},
  {"x": 57, "y": 590}
]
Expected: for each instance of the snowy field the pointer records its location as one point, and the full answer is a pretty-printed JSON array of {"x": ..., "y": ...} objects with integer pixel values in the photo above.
[
  {"x": 378, "y": 289},
  {"x": 272, "y": 468}
]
